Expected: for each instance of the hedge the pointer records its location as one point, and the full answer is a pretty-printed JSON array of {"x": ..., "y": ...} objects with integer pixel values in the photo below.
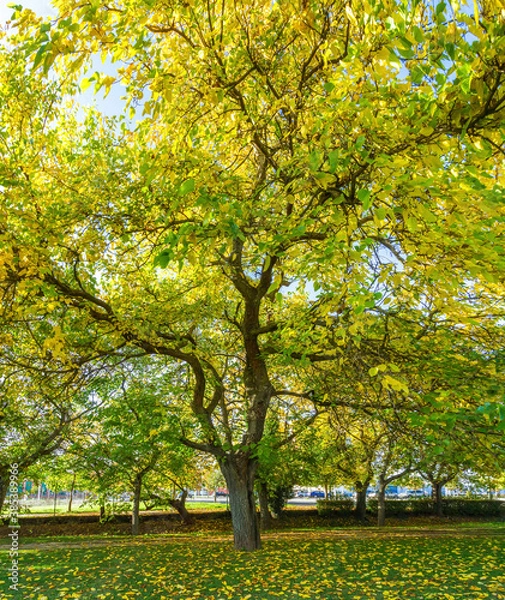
[
  {"x": 451, "y": 507},
  {"x": 340, "y": 507}
]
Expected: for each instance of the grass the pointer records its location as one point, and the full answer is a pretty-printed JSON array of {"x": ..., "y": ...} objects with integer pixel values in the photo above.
[
  {"x": 61, "y": 508},
  {"x": 299, "y": 567}
]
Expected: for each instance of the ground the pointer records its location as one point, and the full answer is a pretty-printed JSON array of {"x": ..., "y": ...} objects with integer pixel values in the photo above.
[{"x": 439, "y": 559}]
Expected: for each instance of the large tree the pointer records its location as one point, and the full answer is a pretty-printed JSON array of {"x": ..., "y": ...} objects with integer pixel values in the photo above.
[{"x": 282, "y": 148}]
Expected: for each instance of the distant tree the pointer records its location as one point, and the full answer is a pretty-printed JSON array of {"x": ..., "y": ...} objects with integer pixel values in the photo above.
[{"x": 132, "y": 442}]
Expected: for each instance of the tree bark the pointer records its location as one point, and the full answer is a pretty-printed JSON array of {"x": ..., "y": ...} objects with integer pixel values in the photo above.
[
  {"x": 265, "y": 516},
  {"x": 361, "y": 490},
  {"x": 71, "y": 494},
  {"x": 381, "y": 502},
  {"x": 180, "y": 507},
  {"x": 4, "y": 485},
  {"x": 239, "y": 472},
  {"x": 137, "y": 489},
  {"x": 437, "y": 498}
]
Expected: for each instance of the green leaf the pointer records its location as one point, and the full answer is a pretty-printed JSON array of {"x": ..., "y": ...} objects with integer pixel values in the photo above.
[
  {"x": 39, "y": 57},
  {"x": 418, "y": 34},
  {"x": 163, "y": 259},
  {"x": 333, "y": 160},
  {"x": 187, "y": 187},
  {"x": 381, "y": 213},
  {"x": 365, "y": 198}
]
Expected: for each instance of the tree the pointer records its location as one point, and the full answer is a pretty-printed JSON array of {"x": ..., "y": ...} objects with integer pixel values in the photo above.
[
  {"x": 35, "y": 419},
  {"x": 282, "y": 455},
  {"x": 280, "y": 146},
  {"x": 133, "y": 442},
  {"x": 393, "y": 462}
]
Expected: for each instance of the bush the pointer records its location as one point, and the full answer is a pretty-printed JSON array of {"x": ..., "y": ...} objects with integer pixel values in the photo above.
[
  {"x": 279, "y": 497},
  {"x": 340, "y": 507},
  {"x": 473, "y": 508},
  {"x": 451, "y": 507},
  {"x": 404, "y": 508}
]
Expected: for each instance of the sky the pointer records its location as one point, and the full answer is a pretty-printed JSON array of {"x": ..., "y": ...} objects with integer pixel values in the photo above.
[
  {"x": 112, "y": 105},
  {"x": 41, "y": 7}
]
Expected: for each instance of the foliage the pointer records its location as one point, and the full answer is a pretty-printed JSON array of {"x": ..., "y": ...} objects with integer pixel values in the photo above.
[
  {"x": 294, "y": 193},
  {"x": 278, "y": 498}
]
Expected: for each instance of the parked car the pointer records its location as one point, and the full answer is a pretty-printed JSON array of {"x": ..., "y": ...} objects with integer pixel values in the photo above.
[
  {"x": 415, "y": 494},
  {"x": 411, "y": 494},
  {"x": 317, "y": 494},
  {"x": 302, "y": 494}
]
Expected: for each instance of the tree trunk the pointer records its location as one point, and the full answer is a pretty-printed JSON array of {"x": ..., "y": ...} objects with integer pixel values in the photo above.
[
  {"x": 266, "y": 517},
  {"x": 180, "y": 507},
  {"x": 71, "y": 494},
  {"x": 381, "y": 502},
  {"x": 239, "y": 472},
  {"x": 360, "y": 510},
  {"x": 137, "y": 488},
  {"x": 4, "y": 486},
  {"x": 437, "y": 498}
]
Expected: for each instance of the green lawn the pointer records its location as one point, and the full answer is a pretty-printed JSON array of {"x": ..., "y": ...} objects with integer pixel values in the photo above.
[
  {"x": 371, "y": 568},
  {"x": 61, "y": 508}
]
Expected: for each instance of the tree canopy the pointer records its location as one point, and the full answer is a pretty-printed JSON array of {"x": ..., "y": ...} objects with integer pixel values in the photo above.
[{"x": 302, "y": 176}]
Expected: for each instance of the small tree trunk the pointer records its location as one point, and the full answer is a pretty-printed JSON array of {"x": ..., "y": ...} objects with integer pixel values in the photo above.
[
  {"x": 437, "y": 498},
  {"x": 71, "y": 494},
  {"x": 381, "y": 502},
  {"x": 102, "y": 509},
  {"x": 361, "y": 490},
  {"x": 239, "y": 472},
  {"x": 180, "y": 507},
  {"x": 4, "y": 485},
  {"x": 137, "y": 489},
  {"x": 265, "y": 516}
]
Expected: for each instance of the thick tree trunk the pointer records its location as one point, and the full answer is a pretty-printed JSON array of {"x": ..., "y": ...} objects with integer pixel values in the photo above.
[
  {"x": 381, "y": 503},
  {"x": 360, "y": 510},
  {"x": 239, "y": 472},
  {"x": 437, "y": 498},
  {"x": 265, "y": 516},
  {"x": 137, "y": 489}
]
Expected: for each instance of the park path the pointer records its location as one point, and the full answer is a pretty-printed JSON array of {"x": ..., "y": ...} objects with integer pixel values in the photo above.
[{"x": 386, "y": 533}]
